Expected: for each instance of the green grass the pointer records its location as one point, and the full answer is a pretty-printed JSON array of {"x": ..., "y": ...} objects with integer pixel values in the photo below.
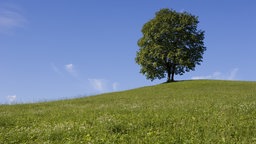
[{"x": 181, "y": 112}]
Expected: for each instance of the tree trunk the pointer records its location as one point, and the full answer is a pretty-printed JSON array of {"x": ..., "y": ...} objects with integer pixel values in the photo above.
[
  {"x": 168, "y": 76},
  {"x": 173, "y": 72},
  {"x": 172, "y": 80}
]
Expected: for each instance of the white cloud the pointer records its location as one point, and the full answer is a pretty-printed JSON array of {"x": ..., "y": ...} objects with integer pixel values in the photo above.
[
  {"x": 218, "y": 75},
  {"x": 200, "y": 77},
  {"x": 103, "y": 85},
  {"x": 11, "y": 99},
  {"x": 233, "y": 74},
  {"x": 215, "y": 75},
  {"x": 115, "y": 86},
  {"x": 98, "y": 84},
  {"x": 10, "y": 17},
  {"x": 70, "y": 68},
  {"x": 182, "y": 10}
]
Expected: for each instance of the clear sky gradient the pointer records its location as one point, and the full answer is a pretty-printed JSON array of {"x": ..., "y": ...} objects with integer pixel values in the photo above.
[{"x": 56, "y": 49}]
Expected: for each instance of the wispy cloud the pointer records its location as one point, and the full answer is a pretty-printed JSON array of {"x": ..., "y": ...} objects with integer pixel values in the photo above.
[
  {"x": 215, "y": 75},
  {"x": 11, "y": 99},
  {"x": 115, "y": 86},
  {"x": 219, "y": 75},
  {"x": 70, "y": 68},
  {"x": 233, "y": 74},
  {"x": 182, "y": 10},
  {"x": 98, "y": 84},
  {"x": 103, "y": 85},
  {"x": 10, "y": 17}
]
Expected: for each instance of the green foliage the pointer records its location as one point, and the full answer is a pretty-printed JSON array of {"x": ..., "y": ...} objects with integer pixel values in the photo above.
[
  {"x": 171, "y": 44},
  {"x": 181, "y": 112}
]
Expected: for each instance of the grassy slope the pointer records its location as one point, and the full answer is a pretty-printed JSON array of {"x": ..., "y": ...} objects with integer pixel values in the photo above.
[{"x": 181, "y": 112}]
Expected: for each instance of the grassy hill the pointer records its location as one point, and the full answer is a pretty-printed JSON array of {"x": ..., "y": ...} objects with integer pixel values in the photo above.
[{"x": 182, "y": 112}]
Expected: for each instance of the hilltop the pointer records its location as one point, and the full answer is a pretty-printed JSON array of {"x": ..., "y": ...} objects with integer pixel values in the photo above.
[{"x": 200, "y": 111}]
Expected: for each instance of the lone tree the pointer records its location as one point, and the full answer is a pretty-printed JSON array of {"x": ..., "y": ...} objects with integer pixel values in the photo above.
[{"x": 170, "y": 45}]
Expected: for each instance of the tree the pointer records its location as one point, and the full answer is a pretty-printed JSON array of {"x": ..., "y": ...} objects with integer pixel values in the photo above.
[{"x": 170, "y": 45}]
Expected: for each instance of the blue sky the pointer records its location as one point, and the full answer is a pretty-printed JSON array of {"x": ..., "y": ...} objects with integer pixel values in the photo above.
[{"x": 63, "y": 49}]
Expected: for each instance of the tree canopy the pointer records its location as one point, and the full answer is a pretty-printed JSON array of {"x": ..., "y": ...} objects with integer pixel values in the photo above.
[{"x": 171, "y": 44}]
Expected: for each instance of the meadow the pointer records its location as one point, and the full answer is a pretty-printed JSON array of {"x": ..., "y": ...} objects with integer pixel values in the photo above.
[{"x": 198, "y": 111}]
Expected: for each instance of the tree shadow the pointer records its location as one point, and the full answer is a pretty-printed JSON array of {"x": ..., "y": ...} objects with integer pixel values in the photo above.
[{"x": 175, "y": 81}]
